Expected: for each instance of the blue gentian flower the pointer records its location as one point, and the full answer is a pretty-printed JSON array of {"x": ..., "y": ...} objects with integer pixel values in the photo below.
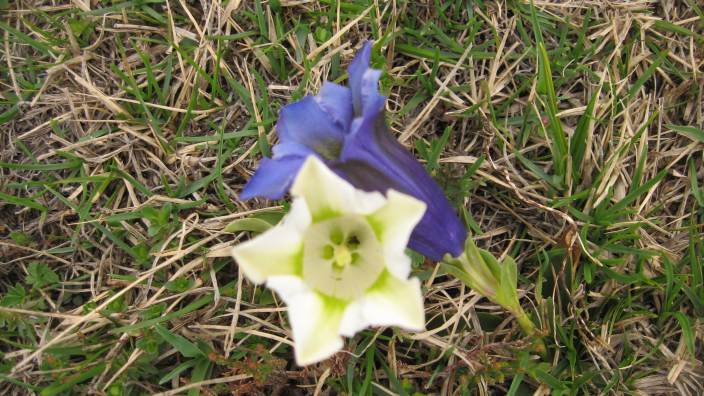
[{"x": 345, "y": 127}]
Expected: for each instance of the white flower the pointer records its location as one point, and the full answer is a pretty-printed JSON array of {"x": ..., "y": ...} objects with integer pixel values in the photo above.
[{"x": 337, "y": 259}]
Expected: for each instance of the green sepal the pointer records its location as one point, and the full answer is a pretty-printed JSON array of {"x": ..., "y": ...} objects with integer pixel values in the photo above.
[{"x": 507, "y": 293}]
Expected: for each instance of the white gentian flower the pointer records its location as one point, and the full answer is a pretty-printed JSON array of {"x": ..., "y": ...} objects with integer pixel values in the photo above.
[{"x": 337, "y": 260}]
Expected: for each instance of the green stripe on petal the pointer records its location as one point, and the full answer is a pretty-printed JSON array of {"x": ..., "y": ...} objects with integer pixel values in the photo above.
[
  {"x": 315, "y": 321},
  {"x": 278, "y": 251},
  {"x": 328, "y": 195},
  {"x": 394, "y": 302},
  {"x": 260, "y": 261},
  {"x": 393, "y": 224}
]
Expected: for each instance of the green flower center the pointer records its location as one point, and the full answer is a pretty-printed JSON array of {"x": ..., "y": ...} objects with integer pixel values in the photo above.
[{"x": 342, "y": 257}]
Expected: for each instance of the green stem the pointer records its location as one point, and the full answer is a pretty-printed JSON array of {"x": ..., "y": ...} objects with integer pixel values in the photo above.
[
  {"x": 529, "y": 329},
  {"x": 494, "y": 280},
  {"x": 524, "y": 321}
]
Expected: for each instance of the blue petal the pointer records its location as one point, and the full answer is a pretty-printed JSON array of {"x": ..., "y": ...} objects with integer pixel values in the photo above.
[
  {"x": 273, "y": 177},
  {"x": 336, "y": 100},
  {"x": 306, "y": 123},
  {"x": 372, "y": 159},
  {"x": 291, "y": 149},
  {"x": 363, "y": 82},
  {"x": 372, "y": 101},
  {"x": 345, "y": 126}
]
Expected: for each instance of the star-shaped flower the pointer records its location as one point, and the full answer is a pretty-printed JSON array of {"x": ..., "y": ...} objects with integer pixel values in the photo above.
[{"x": 338, "y": 261}]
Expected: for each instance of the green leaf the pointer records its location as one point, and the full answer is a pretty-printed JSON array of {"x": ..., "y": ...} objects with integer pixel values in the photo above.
[
  {"x": 671, "y": 27},
  {"x": 40, "y": 275},
  {"x": 199, "y": 303},
  {"x": 457, "y": 272},
  {"x": 20, "y": 238},
  {"x": 19, "y": 201},
  {"x": 199, "y": 373},
  {"x": 249, "y": 224},
  {"x": 15, "y": 296},
  {"x": 153, "y": 311},
  {"x": 491, "y": 262},
  {"x": 697, "y": 192},
  {"x": 515, "y": 384},
  {"x": 537, "y": 171},
  {"x": 72, "y": 164},
  {"x": 578, "y": 142},
  {"x": 66, "y": 384},
  {"x": 617, "y": 209},
  {"x": 79, "y": 26},
  {"x": 164, "y": 213},
  {"x": 150, "y": 343},
  {"x": 185, "y": 347},
  {"x": 179, "y": 285},
  {"x": 16, "y": 381},
  {"x": 178, "y": 370},
  {"x": 506, "y": 294},
  {"x": 691, "y": 132},
  {"x": 687, "y": 331},
  {"x": 554, "y": 131},
  {"x": 24, "y": 38},
  {"x": 647, "y": 74},
  {"x": 548, "y": 379}
]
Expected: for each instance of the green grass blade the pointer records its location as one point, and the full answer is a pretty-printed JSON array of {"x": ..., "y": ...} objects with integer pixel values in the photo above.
[
  {"x": 691, "y": 132},
  {"x": 185, "y": 347}
]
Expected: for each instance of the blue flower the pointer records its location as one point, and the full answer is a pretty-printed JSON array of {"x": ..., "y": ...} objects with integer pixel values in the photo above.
[{"x": 345, "y": 128}]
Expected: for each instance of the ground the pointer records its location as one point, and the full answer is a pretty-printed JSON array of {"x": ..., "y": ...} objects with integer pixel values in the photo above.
[{"x": 569, "y": 135}]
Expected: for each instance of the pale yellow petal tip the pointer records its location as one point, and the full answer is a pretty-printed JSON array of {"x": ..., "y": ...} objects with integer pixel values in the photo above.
[
  {"x": 312, "y": 175},
  {"x": 415, "y": 319},
  {"x": 274, "y": 252},
  {"x": 414, "y": 207},
  {"x": 396, "y": 302},
  {"x": 317, "y": 352},
  {"x": 240, "y": 256}
]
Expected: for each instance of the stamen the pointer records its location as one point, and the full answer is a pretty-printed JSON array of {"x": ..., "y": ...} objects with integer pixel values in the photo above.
[{"x": 343, "y": 257}]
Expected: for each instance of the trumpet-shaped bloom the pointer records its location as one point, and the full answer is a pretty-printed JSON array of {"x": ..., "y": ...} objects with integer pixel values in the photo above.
[
  {"x": 337, "y": 260},
  {"x": 345, "y": 128}
]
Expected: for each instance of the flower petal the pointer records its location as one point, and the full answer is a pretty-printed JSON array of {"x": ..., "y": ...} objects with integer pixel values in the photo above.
[
  {"x": 315, "y": 322},
  {"x": 273, "y": 178},
  {"x": 395, "y": 302},
  {"x": 291, "y": 149},
  {"x": 279, "y": 250},
  {"x": 353, "y": 319},
  {"x": 288, "y": 287},
  {"x": 306, "y": 123},
  {"x": 328, "y": 195},
  {"x": 336, "y": 100},
  {"x": 363, "y": 82},
  {"x": 373, "y": 160},
  {"x": 394, "y": 223},
  {"x": 372, "y": 101}
]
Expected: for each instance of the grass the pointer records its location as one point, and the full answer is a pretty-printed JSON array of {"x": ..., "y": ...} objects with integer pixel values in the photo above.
[{"x": 569, "y": 134}]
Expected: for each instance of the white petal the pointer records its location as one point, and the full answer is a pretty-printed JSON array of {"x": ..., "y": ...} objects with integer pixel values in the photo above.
[
  {"x": 395, "y": 302},
  {"x": 288, "y": 287},
  {"x": 328, "y": 195},
  {"x": 279, "y": 250},
  {"x": 298, "y": 216},
  {"x": 315, "y": 322},
  {"x": 394, "y": 223},
  {"x": 353, "y": 320}
]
